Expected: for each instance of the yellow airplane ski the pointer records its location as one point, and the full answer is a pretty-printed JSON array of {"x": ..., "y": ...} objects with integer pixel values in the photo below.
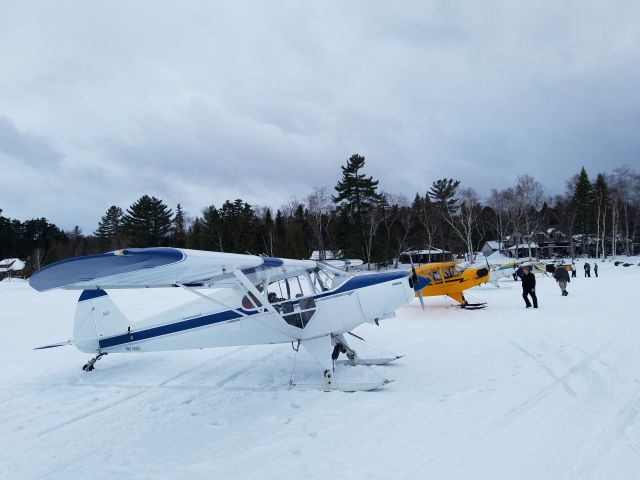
[{"x": 451, "y": 279}]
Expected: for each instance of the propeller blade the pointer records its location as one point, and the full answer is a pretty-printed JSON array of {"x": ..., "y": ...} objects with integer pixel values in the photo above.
[{"x": 421, "y": 298}]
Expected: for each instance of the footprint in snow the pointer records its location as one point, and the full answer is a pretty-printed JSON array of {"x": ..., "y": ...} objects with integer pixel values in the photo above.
[
  {"x": 295, "y": 406},
  {"x": 284, "y": 420},
  {"x": 218, "y": 424}
]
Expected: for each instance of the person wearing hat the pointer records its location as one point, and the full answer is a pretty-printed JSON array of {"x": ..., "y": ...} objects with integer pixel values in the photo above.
[{"x": 529, "y": 287}]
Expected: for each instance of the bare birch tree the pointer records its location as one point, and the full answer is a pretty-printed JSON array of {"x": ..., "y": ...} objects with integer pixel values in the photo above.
[{"x": 319, "y": 207}]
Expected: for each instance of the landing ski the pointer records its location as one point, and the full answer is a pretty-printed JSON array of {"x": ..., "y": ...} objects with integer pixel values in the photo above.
[
  {"x": 342, "y": 387},
  {"x": 473, "y": 306},
  {"x": 368, "y": 361}
]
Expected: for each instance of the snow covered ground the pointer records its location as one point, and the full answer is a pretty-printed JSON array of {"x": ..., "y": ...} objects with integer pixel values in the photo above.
[{"x": 503, "y": 393}]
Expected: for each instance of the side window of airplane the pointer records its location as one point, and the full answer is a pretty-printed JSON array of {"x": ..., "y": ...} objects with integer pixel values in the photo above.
[
  {"x": 249, "y": 301},
  {"x": 437, "y": 277},
  {"x": 293, "y": 298},
  {"x": 277, "y": 291},
  {"x": 289, "y": 289}
]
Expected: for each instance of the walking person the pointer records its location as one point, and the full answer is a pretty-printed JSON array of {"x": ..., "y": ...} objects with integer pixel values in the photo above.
[
  {"x": 587, "y": 269},
  {"x": 574, "y": 272},
  {"x": 562, "y": 277},
  {"x": 529, "y": 287},
  {"x": 595, "y": 269}
]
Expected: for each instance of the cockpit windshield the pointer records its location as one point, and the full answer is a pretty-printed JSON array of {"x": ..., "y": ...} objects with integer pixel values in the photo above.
[
  {"x": 327, "y": 277},
  {"x": 294, "y": 287}
]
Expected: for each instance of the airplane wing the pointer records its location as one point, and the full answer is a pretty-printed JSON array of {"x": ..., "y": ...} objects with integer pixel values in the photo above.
[
  {"x": 160, "y": 267},
  {"x": 344, "y": 264},
  {"x": 428, "y": 268}
]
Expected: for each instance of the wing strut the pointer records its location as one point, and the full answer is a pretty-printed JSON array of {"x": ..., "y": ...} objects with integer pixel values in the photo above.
[
  {"x": 246, "y": 283},
  {"x": 207, "y": 297}
]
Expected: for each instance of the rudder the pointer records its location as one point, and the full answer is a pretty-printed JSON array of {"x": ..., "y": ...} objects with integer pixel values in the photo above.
[{"x": 96, "y": 317}]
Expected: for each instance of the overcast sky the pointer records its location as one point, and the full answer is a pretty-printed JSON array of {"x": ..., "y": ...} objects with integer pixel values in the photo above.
[{"x": 199, "y": 102}]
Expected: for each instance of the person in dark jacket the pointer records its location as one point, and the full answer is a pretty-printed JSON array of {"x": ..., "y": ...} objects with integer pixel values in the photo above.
[
  {"x": 562, "y": 277},
  {"x": 574, "y": 272},
  {"x": 587, "y": 270},
  {"x": 529, "y": 287},
  {"x": 595, "y": 269}
]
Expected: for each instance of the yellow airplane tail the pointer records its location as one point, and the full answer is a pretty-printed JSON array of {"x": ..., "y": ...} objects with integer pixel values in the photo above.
[{"x": 457, "y": 296}]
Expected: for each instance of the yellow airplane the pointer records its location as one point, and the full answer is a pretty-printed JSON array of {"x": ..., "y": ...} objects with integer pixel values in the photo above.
[{"x": 451, "y": 279}]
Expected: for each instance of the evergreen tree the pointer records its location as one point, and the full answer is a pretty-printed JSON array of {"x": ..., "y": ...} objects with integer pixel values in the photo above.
[
  {"x": 238, "y": 227},
  {"x": 443, "y": 193},
  {"x": 179, "y": 229},
  {"x": 355, "y": 190},
  {"x": 211, "y": 237},
  {"x": 356, "y": 195},
  {"x": 147, "y": 222},
  {"x": 296, "y": 244},
  {"x": 109, "y": 230},
  {"x": 582, "y": 194},
  {"x": 281, "y": 232},
  {"x": 194, "y": 239},
  {"x": 267, "y": 233}
]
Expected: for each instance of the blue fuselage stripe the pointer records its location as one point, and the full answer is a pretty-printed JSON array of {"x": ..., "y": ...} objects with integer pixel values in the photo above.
[{"x": 213, "y": 318}]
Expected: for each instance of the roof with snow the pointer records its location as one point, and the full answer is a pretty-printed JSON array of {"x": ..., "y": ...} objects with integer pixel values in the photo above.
[
  {"x": 328, "y": 255},
  {"x": 425, "y": 252},
  {"x": 523, "y": 245},
  {"x": 11, "y": 264}
]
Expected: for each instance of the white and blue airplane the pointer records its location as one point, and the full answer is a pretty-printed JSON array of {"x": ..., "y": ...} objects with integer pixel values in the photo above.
[{"x": 241, "y": 300}]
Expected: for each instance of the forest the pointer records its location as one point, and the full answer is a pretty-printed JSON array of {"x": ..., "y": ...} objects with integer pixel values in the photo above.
[{"x": 599, "y": 214}]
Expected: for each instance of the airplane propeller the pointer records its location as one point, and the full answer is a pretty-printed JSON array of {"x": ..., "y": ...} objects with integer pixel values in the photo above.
[{"x": 481, "y": 272}]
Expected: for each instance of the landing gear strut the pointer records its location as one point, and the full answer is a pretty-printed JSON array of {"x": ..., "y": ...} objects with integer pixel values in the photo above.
[
  {"x": 89, "y": 366},
  {"x": 341, "y": 346},
  {"x": 328, "y": 380}
]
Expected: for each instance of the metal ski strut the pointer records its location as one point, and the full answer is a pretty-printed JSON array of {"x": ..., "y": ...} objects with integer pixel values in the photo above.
[{"x": 89, "y": 366}]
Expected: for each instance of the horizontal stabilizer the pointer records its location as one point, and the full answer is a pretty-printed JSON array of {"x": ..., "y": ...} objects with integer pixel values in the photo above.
[{"x": 54, "y": 345}]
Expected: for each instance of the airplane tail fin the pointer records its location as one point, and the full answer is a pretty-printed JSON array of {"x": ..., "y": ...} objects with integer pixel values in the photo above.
[
  {"x": 457, "y": 296},
  {"x": 96, "y": 317}
]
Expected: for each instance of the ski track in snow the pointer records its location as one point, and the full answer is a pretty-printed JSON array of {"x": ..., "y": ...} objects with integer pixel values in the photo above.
[{"x": 500, "y": 393}]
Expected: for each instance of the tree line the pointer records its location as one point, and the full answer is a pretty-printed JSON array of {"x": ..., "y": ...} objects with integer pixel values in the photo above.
[{"x": 357, "y": 219}]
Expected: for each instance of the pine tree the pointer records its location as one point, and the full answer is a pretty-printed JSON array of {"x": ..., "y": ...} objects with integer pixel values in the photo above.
[
  {"x": 179, "y": 229},
  {"x": 443, "y": 193},
  {"x": 147, "y": 222},
  {"x": 281, "y": 232},
  {"x": 110, "y": 225},
  {"x": 296, "y": 245},
  {"x": 582, "y": 194},
  {"x": 356, "y": 195},
  {"x": 211, "y": 238},
  {"x": 194, "y": 239},
  {"x": 355, "y": 190}
]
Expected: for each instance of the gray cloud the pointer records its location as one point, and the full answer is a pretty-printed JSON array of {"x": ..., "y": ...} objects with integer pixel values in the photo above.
[
  {"x": 203, "y": 102},
  {"x": 27, "y": 148}
]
